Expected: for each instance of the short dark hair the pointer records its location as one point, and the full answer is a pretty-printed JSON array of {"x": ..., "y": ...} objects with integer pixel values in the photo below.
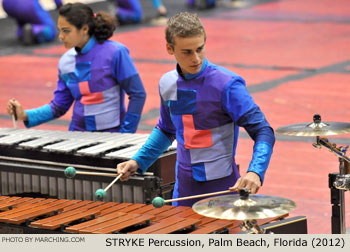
[{"x": 101, "y": 24}]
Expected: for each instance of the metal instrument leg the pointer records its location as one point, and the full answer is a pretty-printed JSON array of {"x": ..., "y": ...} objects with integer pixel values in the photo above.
[{"x": 338, "y": 206}]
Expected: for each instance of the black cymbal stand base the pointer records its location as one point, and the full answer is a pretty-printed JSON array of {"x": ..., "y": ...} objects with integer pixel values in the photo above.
[{"x": 336, "y": 206}]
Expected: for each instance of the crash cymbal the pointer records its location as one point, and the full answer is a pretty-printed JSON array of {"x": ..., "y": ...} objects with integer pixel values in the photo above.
[
  {"x": 232, "y": 207},
  {"x": 315, "y": 129}
]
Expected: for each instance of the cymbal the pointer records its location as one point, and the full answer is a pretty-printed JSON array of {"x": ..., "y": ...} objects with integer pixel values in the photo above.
[
  {"x": 232, "y": 207},
  {"x": 315, "y": 129}
]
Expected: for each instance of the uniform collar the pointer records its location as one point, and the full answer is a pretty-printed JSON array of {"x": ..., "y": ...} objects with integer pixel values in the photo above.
[
  {"x": 190, "y": 76},
  {"x": 88, "y": 46}
]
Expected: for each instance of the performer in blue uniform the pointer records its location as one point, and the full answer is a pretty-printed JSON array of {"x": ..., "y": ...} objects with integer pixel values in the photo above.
[
  {"x": 202, "y": 4},
  {"x": 94, "y": 74},
  {"x": 35, "y": 25},
  {"x": 202, "y": 106},
  {"x": 130, "y": 11}
]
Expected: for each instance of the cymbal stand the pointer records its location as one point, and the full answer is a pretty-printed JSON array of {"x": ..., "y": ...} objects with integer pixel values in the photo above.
[
  {"x": 338, "y": 184},
  {"x": 251, "y": 225}
]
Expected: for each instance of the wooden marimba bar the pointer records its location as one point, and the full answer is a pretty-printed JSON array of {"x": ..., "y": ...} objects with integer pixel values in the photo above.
[
  {"x": 39, "y": 215},
  {"x": 33, "y": 162}
]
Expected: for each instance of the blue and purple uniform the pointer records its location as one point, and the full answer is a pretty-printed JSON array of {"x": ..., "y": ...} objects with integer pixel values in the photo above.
[
  {"x": 208, "y": 3},
  {"x": 204, "y": 112},
  {"x": 31, "y": 12},
  {"x": 130, "y": 11},
  {"x": 96, "y": 79}
]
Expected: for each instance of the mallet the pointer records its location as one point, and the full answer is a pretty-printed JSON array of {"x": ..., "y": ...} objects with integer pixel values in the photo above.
[
  {"x": 100, "y": 194},
  {"x": 70, "y": 172},
  {"x": 158, "y": 202},
  {"x": 14, "y": 118}
]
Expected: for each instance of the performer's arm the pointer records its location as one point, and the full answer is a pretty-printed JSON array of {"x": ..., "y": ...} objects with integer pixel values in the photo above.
[
  {"x": 159, "y": 140},
  {"x": 127, "y": 76},
  {"x": 245, "y": 113},
  {"x": 56, "y": 108},
  {"x": 260, "y": 131}
]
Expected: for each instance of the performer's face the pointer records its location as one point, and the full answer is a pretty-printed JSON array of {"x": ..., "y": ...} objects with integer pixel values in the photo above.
[
  {"x": 70, "y": 35},
  {"x": 189, "y": 53}
]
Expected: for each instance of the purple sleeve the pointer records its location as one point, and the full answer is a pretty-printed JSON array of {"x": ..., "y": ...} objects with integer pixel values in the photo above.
[
  {"x": 62, "y": 99},
  {"x": 165, "y": 123}
]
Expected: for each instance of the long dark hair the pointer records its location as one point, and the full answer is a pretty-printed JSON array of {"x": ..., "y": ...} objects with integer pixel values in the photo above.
[{"x": 101, "y": 24}]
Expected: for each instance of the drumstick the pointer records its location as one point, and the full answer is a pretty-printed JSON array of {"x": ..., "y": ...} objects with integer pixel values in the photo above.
[
  {"x": 159, "y": 201},
  {"x": 100, "y": 194}
]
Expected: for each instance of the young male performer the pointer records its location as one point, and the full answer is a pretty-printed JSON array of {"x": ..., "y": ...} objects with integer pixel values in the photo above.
[{"x": 202, "y": 106}]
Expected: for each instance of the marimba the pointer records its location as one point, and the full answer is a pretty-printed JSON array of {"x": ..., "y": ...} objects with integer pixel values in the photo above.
[
  {"x": 40, "y": 215},
  {"x": 32, "y": 162}
]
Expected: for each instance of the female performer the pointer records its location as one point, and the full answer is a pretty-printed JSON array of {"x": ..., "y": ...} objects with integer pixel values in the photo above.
[{"x": 94, "y": 75}]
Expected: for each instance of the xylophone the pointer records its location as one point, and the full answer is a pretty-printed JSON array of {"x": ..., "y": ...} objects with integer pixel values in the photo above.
[
  {"x": 40, "y": 215},
  {"x": 32, "y": 163}
]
